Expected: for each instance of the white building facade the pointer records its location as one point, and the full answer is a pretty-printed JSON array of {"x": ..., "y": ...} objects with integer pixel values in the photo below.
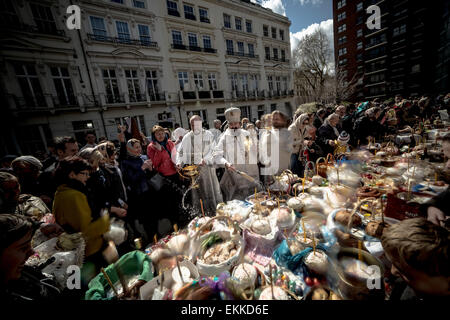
[{"x": 159, "y": 61}]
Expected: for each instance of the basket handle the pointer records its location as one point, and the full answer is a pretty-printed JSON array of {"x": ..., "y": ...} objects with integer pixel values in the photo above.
[
  {"x": 197, "y": 234},
  {"x": 308, "y": 168},
  {"x": 357, "y": 206},
  {"x": 328, "y": 156},
  {"x": 317, "y": 164}
]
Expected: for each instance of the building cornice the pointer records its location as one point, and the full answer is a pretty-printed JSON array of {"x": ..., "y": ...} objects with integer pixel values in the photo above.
[
  {"x": 185, "y": 22},
  {"x": 113, "y": 8}
]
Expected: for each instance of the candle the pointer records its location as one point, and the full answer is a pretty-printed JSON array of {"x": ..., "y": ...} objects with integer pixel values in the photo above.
[
  {"x": 268, "y": 191},
  {"x": 175, "y": 228},
  {"x": 201, "y": 204},
  {"x": 304, "y": 230},
  {"x": 295, "y": 192},
  {"x": 155, "y": 239},
  {"x": 314, "y": 244},
  {"x": 278, "y": 201},
  {"x": 303, "y": 185}
]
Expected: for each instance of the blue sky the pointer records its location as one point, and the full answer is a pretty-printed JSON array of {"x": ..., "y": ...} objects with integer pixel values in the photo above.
[{"x": 305, "y": 15}]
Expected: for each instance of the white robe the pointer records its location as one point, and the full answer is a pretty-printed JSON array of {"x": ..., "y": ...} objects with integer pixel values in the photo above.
[
  {"x": 193, "y": 149},
  {"x": 216, "y": 133},
  {"x": 275, "y": 149},
  {"x": 241, "y": 151}
]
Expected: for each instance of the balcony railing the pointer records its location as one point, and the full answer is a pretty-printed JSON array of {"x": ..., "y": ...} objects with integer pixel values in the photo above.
[
  {"x": 173, "y": 12},
  {"x": 49, "y": 29},
  {"x": 240, "y": 94},
  {"x": 193, "y": 48},
  {"x": 157, "y": 96},
  {"x": 64, "y": 102},
  {"x": 261, "y": 94},
  {"x": 242, "y": 54},
  {"x": 137, "y": 97},
  {"x": 137, "y": 42},
  {"x": 218, "y": 94},
  {"x": 204, "y": 95},
  {"x": 190, "y": 16},
  {"x": 189, "y": 95},
  {"x": 115, "y": 98},
  {"x": 204, "y": 19}
]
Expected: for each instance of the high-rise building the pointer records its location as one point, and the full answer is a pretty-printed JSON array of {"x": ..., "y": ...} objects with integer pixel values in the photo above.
[
  {"x": 399, "y": 57},
  {"x": 157, "y": 61}
]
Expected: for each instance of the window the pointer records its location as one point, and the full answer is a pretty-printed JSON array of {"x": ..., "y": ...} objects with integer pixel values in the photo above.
[
  {"x": 152, "y": 84},
  {"x": 122, "y": 31},
  {"x": 341, "y": 16},
  {"x": 144, "y": 34},
  {"x": 240, "y": 46},
  {"x": 212, "y": 82},
  {"x": 8, "y": 14},
  {"x": 284, "y": 83},
  {"x": 111, "y": 86},
  {"x": 278, "y": 83},
  {"x": 274, "y": 33},
  {"x": 261, "y": 111},
  {"x": 238, "y": 23},
  {"x": 342, "y": 51},
  {"x": 266, "y": 31},
  {"x": 44, "y": 18},
  {"x": 140, "y": 120},
  {"x": 359, "y": 45},
  {"x": 359, "y": 6},
  {"x": 139, "y": 4},
  {"x": 134, "y": 90},
  {"x": 342, "y": 40},
  {"x": 192, "y": 37},
  {"x": 275, "y": 53},
  {"x": 183, "y": 79},
  {"x": 273, "y": 107},
  {"x": 244, "y": 82},
  {"x": 63, "y": 86},
  {"x": 343, "y": 62},
  {"x": 283, "y": 55},
  {"x": 203, "y": 13},
  {"x": 198, "y": 80},
  {"x": 267, "y": 49},
  {"x": 359, "y": 20},
  {"x": 226, "y": 21},
  {"x": 220, "y": 114},
  {"x": 176, "y": 37},
  {"x": 415, "y": 68},
  {"x": 245, "y": 112},
  {"x": 270, "y": 82},
  {"x": 341, "y": 4},
  {"x": 30, "y": 85},
  {"x": 207, "y": 42},
  {"x": 234, "y": 82},
  {"x": 248, "y": 26},
  {"x": 399, "y": 30},
  {"x": 189, "y": 12},
  {"x": 342, "y": 28},
  {"x": 251, "y": 49},
  {"x": 117, "y": 1},
  {"x": 359, "y": 33},
  {"x": 230, "y": 46},
  {"x": 282, "y": 35},
  {"x": 254, "y": 82},
  {"x": 359, "y": 57},
  {"x": 98, "y": 28},
  {"x": 172, "y": 8}
]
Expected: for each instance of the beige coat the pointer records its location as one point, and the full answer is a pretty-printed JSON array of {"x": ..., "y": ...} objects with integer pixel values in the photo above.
[{"x": 298, "y": 132}]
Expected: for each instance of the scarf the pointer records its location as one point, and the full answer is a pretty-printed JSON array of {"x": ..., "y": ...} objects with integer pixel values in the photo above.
[
  {"x": 130, "y": 150},
  {"x": 163, "y": 143}
]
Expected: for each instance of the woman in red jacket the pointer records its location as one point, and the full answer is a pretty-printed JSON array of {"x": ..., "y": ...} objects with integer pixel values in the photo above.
[{"x": 162, "y": 152}]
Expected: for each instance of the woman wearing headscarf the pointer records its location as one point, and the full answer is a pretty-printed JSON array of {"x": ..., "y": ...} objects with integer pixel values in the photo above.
[
  {"x": 328, "y": 133},
  {"x": 298, "y": 130},
  {"x": 319, "y": 118}
]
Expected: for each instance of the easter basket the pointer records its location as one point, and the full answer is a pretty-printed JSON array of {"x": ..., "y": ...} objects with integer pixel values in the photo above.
[
  {"x": 321, "y": 168},
  {"x": 202, "y": 243}
]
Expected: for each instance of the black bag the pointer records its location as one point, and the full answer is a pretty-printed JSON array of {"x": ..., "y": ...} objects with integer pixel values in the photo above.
[{"x": 156, "y": 182}]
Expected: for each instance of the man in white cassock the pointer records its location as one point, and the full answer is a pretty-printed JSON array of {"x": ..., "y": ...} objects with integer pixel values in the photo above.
[
  {"x": 275, "y": 147},
  {"x": 237, "y": 150},
  {"x": 197, "y": 148},
  {"x": 216, "y": 130}
]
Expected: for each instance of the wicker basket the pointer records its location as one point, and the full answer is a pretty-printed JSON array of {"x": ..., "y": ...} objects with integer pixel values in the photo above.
[
  {"x": 321, "y": 168},
  {"x": 215, "y": 269},
  {"x": 290, "y": 293}
]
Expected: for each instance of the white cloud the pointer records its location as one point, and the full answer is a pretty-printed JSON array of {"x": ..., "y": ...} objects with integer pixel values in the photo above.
[
  {"x": 326, "y": 26},
  {"x": 276, "y": 6},
  {"x": 313, "y": 2}
]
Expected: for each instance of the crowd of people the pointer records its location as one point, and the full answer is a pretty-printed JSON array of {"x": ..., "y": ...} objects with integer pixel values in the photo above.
[{"x": 138, "y": 179}]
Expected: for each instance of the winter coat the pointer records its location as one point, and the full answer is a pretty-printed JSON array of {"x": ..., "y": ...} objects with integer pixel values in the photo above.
[
  {"x": 134, "y": 178},
  {"x": 115, "y": 184},
  {"x": 161, "y": 159},
  {"x": 317, "y": 122},
  {"x": 73, "y": 214},
  {"x": 324, "y": 135},
  {"x": 298, "y": 133}
]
